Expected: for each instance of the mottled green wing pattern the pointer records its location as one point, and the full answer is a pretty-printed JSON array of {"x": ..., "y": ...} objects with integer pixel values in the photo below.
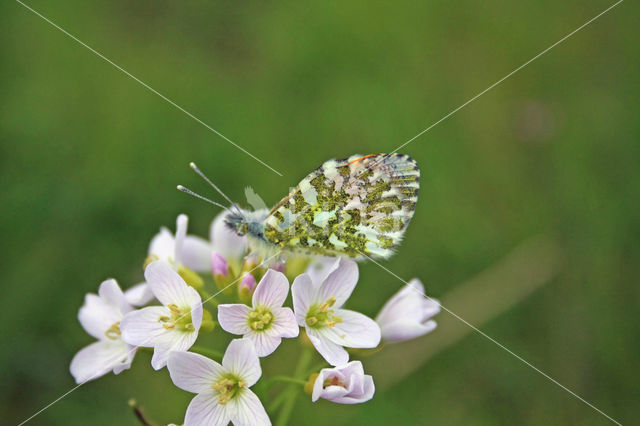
[{"x": 356, "y": 207}]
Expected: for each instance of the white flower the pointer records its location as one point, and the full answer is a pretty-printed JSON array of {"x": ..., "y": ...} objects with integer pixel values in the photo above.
[
  {"x": 266, "y": 322},
  {"x": 317, "y": 307},
  {"x": 182, "y": 249},
  {"x": 139, "y": 295},
  {"x": 344, "y": 385},
  {"x": 100, "y": 316},
  {"x": 172, "y": 327},
  {"x": 223, "y": 393},
  {"x": 407, "y": 314}
]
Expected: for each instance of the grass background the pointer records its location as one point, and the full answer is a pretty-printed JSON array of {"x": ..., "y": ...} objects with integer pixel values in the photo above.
[{"x": 89, "y": 160}]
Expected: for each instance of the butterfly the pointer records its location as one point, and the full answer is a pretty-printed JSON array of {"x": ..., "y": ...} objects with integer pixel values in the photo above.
[{"x": 357, "y": 207}]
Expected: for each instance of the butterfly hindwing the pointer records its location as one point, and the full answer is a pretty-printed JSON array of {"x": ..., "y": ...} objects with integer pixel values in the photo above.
[{"x": 356, "y": 207}]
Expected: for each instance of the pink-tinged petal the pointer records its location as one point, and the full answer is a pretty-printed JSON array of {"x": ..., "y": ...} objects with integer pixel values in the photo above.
[
  {"x": 234, "y": 318},
  {"x": 193, "y": 372},
  {"x": 226, "y": 241},
  {"x": 219, "y": 265},
  {"x": 399, "y": 331},
  {"x": 181, "y": 232},
  {"x": 143, "y": 328},
  {"x": 241, "y": 359},
  {"x": 168, "y": 286},
  {"x": 139, "y": 295},
  {"x": 407, "y": 301},
  {"x": 272, "y": 290},
  {"x": 352, "y": 386},
  {"x": 99, "y": 358},
  {"x": 264, "y": 343},
  {"x": 284, "y": 324},
  {"x": 96, "y": 316},
  {"x": 340, "y": 282},
  {"x": 304, "y": 295},
  {"x": 249, "y": 411},
  {"x": 196, "y": 311},
  {"x": 333, "y": 353},
  {"x": 163, "y": 245},
  {"x": 111, "y": 293},
  {"x": 355, "y": 331},
  {"x": 175, "y": 341},
  {"x": 204, "y": 410},
  {"x": 320, "y": 267},
  {"x": 248, "y": 283},
  {"x": 196, "y": 253}
]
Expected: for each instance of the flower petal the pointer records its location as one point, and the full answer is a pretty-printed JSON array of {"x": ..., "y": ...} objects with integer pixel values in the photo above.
[
  {"x": 204, "y": 410},
  {"x": 174, "y": 341},
  {"x": 272, "y": 290},
  {"x": 139, "y": 295},
  {"x": 196, "y": 253},
  {"x": 96, "y": 316},
  {"x": 355, "y": 331},
  {"x": 163, "y": 245},
  {"x": 225, "y": 241},
  {"x": 234, "y": 318},
  {"x": 320, "y": 267},
  {"x": 304, "y": 294},
  {"x": 333, "y": 353},
  {"x": 142, "y": 328},
  {"x": 399, "y": 331},
  {"x": 240, "y": 358},
  {"x": 99, "y": 358},
  {"x": 181, "y": 232},
  {"x": 340, "y": 282},
  {"x": 168, "y": 286},
  {"x": 284, "y": 324},
  {"x": 406, "y": 302},
  {"x": 264, "y": 343},
  {"x": 111, "y": 293},
  {"x": 249, "y": 410},
  {"x": 193, "y": 372}
]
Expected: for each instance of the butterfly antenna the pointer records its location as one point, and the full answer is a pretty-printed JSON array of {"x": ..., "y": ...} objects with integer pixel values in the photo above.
[
  {"x": 193, "y": 194},
  {"x": 213, "y": 185}
]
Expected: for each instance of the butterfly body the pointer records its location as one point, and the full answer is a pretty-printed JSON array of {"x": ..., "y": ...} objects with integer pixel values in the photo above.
[{"x": 357, "y": 207}]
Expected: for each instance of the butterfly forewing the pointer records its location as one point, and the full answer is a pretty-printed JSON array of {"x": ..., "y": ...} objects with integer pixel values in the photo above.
[{"x": 356, "y": 207}]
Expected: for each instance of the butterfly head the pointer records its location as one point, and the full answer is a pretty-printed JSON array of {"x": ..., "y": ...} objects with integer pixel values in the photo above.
[
  {"x": 237, "y": 222},
  {"x": 244, "y": 222}
]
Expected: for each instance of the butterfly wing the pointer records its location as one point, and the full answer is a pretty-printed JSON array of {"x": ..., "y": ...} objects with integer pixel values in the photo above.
[{"x": 356, "y": 207}]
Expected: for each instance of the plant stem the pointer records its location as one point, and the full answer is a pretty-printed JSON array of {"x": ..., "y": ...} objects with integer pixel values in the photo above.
[
  {"x": 211, "y": 353},
  {"x": 293, "y": 389},
  {"x": 287, "y": 379}
]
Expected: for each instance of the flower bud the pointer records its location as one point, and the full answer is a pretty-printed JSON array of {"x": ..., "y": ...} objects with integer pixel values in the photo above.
[
  {"x": 219, "y": 266},
  {"x": 191, "y": 277},
  {"x": 246, "y": 287},
  {"x": 343, "y": 385},
  {"x": 208, "y": 324},
  {"x": 308, "y": 387},
  {"x": 407, "y": 314}
]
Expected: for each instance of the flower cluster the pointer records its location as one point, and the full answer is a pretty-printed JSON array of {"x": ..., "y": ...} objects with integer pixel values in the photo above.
[{"x": 166, "y": 314}]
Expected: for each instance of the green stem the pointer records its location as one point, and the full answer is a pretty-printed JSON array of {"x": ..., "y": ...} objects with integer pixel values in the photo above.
[
  {"x": 287, "y": 379},
  {"x": 292, "y": 390},
  {"x": 206, "y": 352}
]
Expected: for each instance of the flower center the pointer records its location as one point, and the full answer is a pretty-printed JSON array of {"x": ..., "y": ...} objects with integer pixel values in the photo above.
[
  {"x": 228, "y": 387},
  {"x": 113, "y": 332},
  {"x": 261, "y": 318},
  {"x": 180, "y": 319},
  {"x": 320, "y": 316},
  {"x": 333, "y": 381}
]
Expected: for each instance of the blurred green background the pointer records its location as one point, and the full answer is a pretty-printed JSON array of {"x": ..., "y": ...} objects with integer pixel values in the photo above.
[{"x": 89, "y": 160}]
